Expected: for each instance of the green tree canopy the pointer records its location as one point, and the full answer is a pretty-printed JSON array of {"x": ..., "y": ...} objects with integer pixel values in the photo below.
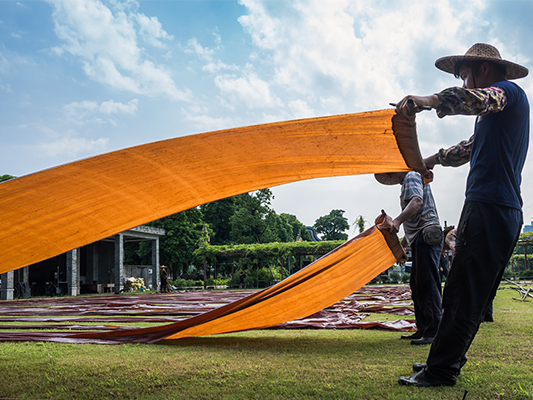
[
  {"x": 217, "y": 214},
  {"x": 6, "y": 177},
  {"x": 184, "y": 233},
  {"x": 249, "y": 222},
  {"x": 360, "y": 223},
  {"x": 299, "y": 231},
  {"x": 333, "y": 225}
]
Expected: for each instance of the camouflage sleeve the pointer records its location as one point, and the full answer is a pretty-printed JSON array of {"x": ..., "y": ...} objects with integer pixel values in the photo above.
[
  {"x": 458, "y": 100},
  {"x": 457, "y": 155}
]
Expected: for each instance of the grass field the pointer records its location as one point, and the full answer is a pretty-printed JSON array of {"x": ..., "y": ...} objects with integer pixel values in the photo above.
[{"x": 274, "y": 364}]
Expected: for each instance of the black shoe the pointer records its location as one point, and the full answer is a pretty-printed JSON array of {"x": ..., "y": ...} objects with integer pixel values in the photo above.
[
  {"x": 416, "y": 335},
  {"x": 417, "y": 367},
  {"x": 419, "y": 379},
  {"x": 422, "y": 340}
]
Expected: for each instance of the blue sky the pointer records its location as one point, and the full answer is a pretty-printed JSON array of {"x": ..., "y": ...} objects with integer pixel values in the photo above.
[{"x": 84, "y": 77}]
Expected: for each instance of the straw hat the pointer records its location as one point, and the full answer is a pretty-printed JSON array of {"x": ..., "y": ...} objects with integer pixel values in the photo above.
[
  {"x": 482, "y": 52},
  {"x": 388, "y": 178}
]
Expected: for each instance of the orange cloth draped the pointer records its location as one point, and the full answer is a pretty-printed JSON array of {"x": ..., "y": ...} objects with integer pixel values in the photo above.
[
  {"x": 319, "y": 285},
  {"x": 325, "y": 282},
  {"x": 66, "y": 207}
]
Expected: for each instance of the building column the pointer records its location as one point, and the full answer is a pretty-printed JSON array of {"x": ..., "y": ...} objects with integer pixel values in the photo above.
[
  {"x": 7, "y": 288},
  {"x": 155, "y": 263},
  {"x": 95, "y": 278},
  {"x": 26, "y": 275},
  {"x": 119, "y": 263},
  {"x": 73, "y": 271}
]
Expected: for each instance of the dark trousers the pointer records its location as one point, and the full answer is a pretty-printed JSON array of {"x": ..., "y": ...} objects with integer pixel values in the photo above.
[
  {"x": 426, "y": 286},
  {"x": 486, "y": 237}
]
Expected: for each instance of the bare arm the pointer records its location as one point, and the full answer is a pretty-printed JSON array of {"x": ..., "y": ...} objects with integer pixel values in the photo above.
[{"x": 411, "y": 209}]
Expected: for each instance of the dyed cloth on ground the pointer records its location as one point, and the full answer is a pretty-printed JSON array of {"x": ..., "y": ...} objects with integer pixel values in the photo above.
[
  {"x": 319, "y": 285},
  {"x": 81, "y": 313}
]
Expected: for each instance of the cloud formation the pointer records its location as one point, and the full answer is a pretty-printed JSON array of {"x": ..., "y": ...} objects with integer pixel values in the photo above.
[
  {"x": 74, "y": 146},
  {"x": 359, "y": 54},
  {"x": 106, "y": 42},
  {"x": 91, "y": 111}
]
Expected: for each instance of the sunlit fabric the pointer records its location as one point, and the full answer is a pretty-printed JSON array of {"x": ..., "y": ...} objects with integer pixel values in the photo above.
[
  {"x": 57, "y": 210},
  {"x": 319, "y": 285},
  {"x": 66, "y": 207}
]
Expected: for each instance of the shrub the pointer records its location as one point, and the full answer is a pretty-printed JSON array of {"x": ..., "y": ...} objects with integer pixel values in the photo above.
[
  {"x": 508, "y": 272},
  {"x": 394, "y": 277},
  {"x": 527, "y": 272},
  {"x": 406, "y": 277}
]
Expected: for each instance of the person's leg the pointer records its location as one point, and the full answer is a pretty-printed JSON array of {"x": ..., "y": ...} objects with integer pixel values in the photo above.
[
  {"x": 414, "y": 285},
  {"x": 486, "y": 238},
  {"x": 428, "y": 302}
]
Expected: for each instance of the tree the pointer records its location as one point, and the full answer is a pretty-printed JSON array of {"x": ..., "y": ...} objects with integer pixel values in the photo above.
[
  {"x": 184, "y": 233},
  {"x": 299, "y": 231},
  {"x": 333, "y": 225},
  {"x": 6, "y": 177},
  {"x": 248, "y": 223},
  {"x": 217, "y": 214},
  {"x": 360, "y": 223}
]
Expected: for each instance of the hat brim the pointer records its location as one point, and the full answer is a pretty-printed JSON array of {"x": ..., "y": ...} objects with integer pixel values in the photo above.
[
  {"x": 386, "y": 179},
  {"x": 514, "y": 71}
]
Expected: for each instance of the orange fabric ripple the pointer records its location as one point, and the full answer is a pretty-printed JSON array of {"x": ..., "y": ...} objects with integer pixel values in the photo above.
[
  {"x": 319, "y": 285},
  {"x": 56, "y": 210}
]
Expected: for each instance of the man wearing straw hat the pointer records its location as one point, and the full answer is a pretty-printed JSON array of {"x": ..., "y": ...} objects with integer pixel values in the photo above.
[
  {"x": 491, "y": 218},
  {"x": 423, "y": 233}
]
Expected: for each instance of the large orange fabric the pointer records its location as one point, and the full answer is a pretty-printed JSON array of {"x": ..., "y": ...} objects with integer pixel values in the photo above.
[
  {"x": 319, "y": 285},
  {"x": 62, "y": 208},
  {"x": 56, "y": 210}
]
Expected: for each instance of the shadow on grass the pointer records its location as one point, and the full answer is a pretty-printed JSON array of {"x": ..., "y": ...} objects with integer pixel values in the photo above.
[{"x": 371, "y": 343}]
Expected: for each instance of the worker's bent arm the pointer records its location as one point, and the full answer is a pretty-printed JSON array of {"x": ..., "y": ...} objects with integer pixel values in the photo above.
[{"x": 412, "y": 208}]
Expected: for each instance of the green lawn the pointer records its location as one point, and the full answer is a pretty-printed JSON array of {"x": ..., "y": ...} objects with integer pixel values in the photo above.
[{"x": 274, "y": 364}]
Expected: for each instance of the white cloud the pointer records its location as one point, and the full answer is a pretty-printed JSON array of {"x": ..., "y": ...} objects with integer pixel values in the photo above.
[
  {"x": 203, "y": 52},
  {"x": 73, "y": 146},
  {"x": 6, "y": 88},
  {"x": 151, "y": 30},
  {"x": 66, "y": 144},
  {"x": 4, "y": 63},
  {"x": 112, "y": 107},
  {"x": 90, "y": 111},
  {"x": 23, "y": 5},
  {"x": 214, "y": 67},
  {"x": 249, "y": 89},
  {"x": 205, "y": 123},
  {"x": 107, "y": 45},
  {"x": 360, "y": 53}
]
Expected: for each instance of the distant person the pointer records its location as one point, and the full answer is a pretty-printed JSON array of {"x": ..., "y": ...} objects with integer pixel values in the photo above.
[
  {"x": 242, "y": 276},
  {"x": 443, "y": 267},
  {"x": 491, "y": 218},
  {"x": 424, "y": 234},
  {"x": 164, "y": 279}
]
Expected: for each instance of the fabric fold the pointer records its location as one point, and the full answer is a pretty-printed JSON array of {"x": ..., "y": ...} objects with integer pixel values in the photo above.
[{"x": 59, "y": 209}]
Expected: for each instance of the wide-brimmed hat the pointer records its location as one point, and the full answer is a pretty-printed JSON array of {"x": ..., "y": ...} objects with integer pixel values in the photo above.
[
  {"x": 482, "y": 52},
  {"x": 387, "y": 178}
]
